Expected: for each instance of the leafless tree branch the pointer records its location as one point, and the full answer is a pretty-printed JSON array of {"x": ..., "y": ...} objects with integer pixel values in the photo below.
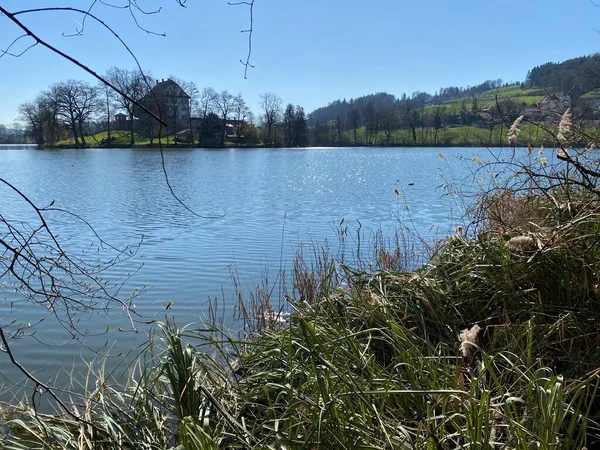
[
  {"x": 38, "y": 40},
  {"x": 16, "y": 55},
  {"x": 247, "y": 65},
  {"x": 40, "y": 385}
]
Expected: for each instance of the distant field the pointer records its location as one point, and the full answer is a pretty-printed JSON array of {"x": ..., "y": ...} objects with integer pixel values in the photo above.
[
  {"x": 591, "y": 94},
  {"x": 488, "y": 99}
]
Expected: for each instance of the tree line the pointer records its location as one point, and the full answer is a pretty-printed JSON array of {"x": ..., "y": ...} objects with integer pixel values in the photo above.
[
  {"x": 77, "y": 111},
  {"x": 383, "y": 119},
  {"x": 425, "y": 119},
  {"x": 575, "y": 76},
  {"x": 13, "y": 134},
  {"x": 418, "y": 99}
]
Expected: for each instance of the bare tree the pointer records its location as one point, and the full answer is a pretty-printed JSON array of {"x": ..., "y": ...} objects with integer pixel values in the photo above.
[
  {"x": 224, "y": 102},
  {"x": 86, "y": 105},
  {"x": 32, "y": 114},
  {"x": 134, "y": 84},
  {"x": 271, "y": 105},
  {"x": 65, "y": 96},
  {"x": 353, "y": 119},
  {"x": 206, "y": 105},
  {"x": 41, "y": 119},
  {"x": 388, "y": 119},
  {"x": 371, "y": 121},
  {"x": 240, "y": 113}
]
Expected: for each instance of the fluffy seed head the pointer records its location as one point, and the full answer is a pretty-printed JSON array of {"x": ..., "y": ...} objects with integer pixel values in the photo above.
[
  {"x": 565, "y": 127},
  {"x": 521, "y": 243},
  {"x": 467, "y": 338},
  {"x": 514, "y": 131}
]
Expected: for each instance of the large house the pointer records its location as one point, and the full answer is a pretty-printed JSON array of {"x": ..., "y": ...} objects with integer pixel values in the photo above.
[
  {"x": 169, "y": 102},
  {"x": 590, "y": 101},
  {"x": 550, "y": 109}
]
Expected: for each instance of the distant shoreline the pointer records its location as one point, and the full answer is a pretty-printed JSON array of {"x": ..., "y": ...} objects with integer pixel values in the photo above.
[{"x": 250, "y": 147}]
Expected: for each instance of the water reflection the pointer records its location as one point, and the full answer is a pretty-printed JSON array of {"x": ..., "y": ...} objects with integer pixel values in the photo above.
[{"x": 272, "y": 200}]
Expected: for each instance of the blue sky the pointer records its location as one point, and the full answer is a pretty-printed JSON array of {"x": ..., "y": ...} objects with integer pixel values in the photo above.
[{"x": 309, "y": 52}]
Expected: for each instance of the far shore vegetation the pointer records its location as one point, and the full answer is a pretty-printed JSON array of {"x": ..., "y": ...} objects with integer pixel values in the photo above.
[{"x": 76, "y": 114}]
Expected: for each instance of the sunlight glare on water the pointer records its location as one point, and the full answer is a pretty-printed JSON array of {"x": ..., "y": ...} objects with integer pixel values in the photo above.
[{"x": 271, "y": 201}]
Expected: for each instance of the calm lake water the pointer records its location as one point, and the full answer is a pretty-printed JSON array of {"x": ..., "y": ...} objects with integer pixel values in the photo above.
[{"x": 268, "y": 202}]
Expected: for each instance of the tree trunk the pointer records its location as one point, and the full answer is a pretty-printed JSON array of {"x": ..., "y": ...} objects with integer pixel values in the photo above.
[
  {"x": 108, "y": 116},
  {"x": 74, "y": 128},
  {"x": 224, "y": 133},
  {"x": 201, "y": 137},
  {"x": 269, "y": 127},
  {"x": 414, "y": 132},
  {"x": 82, "y": 134},
  {"x": 131, "y": 129}
]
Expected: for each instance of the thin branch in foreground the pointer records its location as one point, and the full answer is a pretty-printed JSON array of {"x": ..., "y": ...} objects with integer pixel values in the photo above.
[
  {"x": 16, "y": 55},
  {"x": 38, "y": 40},
  {"x": 250, "y": 31},
  {"x": 39, "y": 384}
]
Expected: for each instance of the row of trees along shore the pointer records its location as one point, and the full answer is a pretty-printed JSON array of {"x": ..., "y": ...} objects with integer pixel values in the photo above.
[
  {"x": 420, "y": 120},
  {"x": 75, "y": 112}
]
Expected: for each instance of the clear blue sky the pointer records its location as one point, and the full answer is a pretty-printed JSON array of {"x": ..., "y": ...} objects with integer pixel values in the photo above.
[{"x": 309, "y": 52}]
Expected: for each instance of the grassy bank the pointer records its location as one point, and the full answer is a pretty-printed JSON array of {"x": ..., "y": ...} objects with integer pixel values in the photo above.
[
  {"x": 465, "y": 136},
  {"x": 494, "y": 343},
  {"x": 122, "y": 139}
]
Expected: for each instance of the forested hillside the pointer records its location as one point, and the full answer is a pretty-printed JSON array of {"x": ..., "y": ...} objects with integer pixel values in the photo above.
[
  {"x": 343, "y": 107},
  {"x": 418, "y": 99},
  {"x": 575, "y": 76},
  {"x": 472, "y": 115}
]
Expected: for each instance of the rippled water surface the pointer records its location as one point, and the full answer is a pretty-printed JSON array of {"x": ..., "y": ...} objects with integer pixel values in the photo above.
[{"x": 266, "y": 203}]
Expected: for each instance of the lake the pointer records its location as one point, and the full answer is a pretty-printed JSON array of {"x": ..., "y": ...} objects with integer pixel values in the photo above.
[{"x": 259, "y": 205}]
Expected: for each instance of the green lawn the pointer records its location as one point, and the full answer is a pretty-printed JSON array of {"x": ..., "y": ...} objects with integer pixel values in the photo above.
[
  {"x": 488, "y": 99},
  {"x": 122, "y": 138},
  {"x": 591, "y": 94}
]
